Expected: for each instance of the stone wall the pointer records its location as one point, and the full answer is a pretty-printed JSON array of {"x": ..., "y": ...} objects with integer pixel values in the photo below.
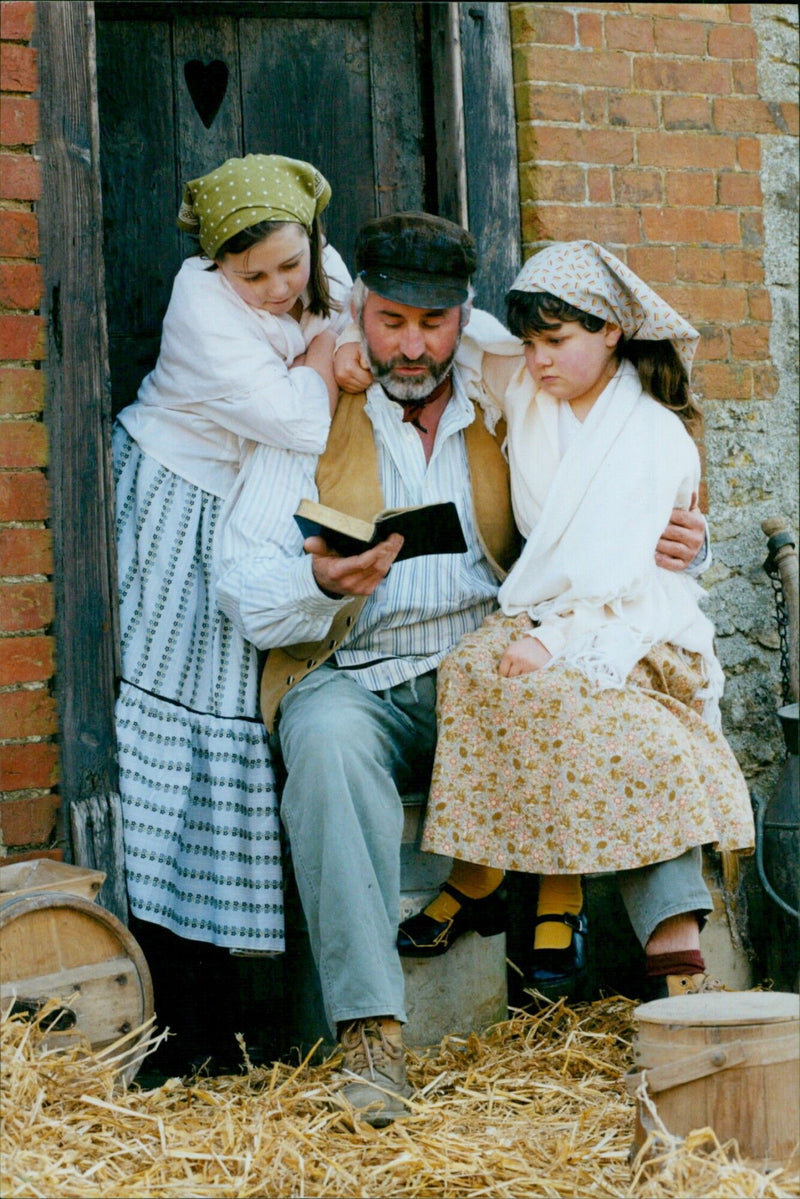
[{"x": 752, "y": 446}]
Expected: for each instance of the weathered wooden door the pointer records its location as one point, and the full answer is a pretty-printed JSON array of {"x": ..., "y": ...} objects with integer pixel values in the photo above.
[
  {"x": 339, "y": 85},
  {"x": 400, "y": 104}
]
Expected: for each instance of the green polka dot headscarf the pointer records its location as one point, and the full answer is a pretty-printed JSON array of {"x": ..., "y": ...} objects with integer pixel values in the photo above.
[
  {"x": 591, "y": 278},
  {"x": 245, "y": 191}
]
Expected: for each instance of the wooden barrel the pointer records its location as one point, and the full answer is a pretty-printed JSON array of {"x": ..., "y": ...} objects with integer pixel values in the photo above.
[
  {"x": 726, "y": 1061},
  {"x": 55, "y": 945},
  {"x": 42, "y": 874}
]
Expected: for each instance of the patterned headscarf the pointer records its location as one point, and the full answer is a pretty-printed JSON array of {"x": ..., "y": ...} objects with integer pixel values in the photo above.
[
  {"x": 593, "y": 280},
  {"x": 245, "y": 191}
]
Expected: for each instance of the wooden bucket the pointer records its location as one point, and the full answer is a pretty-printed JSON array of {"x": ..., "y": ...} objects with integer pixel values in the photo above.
[
  {"x": 57, "y": 945},
  {"x": 726, "y": 1061}
]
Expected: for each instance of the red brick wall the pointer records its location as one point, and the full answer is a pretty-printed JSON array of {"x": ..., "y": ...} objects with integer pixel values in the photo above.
[
  {"x": 28, "y": 753},
  {"x": 638, "y": 126}
]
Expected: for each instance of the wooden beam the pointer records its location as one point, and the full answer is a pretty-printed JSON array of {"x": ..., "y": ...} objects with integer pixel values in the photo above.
[
  {"x": 448, "y": 113},
  {"x": 78, "y": 411},
  {"x": 397, "y": 119},
  {"x": 490, "y": 149}
]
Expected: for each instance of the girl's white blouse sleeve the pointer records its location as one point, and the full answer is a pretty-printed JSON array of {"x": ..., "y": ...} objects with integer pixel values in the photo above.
[
  {"x": 223, "y": 375},
  {"x": 220, "y": 355}
]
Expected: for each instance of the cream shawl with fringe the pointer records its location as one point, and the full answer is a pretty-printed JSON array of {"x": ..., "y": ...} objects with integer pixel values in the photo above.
[{"x": 592, "y": 519}]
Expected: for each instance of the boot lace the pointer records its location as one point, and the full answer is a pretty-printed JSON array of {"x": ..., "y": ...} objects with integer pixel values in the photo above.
[{"x": 367, "y": 1048}]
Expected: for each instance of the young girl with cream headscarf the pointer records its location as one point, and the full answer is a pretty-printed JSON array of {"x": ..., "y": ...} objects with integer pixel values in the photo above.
[
  {"x": 246, "y": 355},
  {"x": 579, "y": 727}
]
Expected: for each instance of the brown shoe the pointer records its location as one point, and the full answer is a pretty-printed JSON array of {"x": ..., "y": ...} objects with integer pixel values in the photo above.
[
  {"x": 667, "y": 985},
  {"x": 378, "y": 1063}
]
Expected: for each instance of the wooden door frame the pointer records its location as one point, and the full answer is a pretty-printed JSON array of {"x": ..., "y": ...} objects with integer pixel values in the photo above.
[
  {"x": 476, "y": 138},
  {"x": 477, "y": 184},
  {"x": 77, "y": 405}
]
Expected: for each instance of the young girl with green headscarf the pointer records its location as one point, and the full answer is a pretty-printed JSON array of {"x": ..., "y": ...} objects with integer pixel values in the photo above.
[
  {"x": 246, "y": 355},
  {"x": 579, "y": 728}
]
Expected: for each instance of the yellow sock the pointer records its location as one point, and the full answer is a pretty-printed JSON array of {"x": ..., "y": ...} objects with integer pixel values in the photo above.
[
  {"x": 472, "y": 880},
  {"x": 558, "y": 893}
]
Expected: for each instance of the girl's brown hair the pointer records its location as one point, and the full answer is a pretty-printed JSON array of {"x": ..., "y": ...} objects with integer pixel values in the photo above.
[
  {"x": 661, "y": 372},
  {"x": 321, "y": 303}
]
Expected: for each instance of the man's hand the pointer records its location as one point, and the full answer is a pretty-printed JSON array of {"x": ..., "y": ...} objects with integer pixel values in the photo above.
[
  {"x": 524, "y": 656},
  {"x": 360, "y": 575},
  {"x": 351, "y": 368},
  {"x": 682, "y": 539}
]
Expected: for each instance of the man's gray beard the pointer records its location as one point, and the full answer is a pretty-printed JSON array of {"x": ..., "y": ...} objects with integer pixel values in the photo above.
[{"x": 408, "y": 389}]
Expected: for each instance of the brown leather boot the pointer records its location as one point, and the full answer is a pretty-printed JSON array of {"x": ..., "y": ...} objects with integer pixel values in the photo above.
[{"x": 376, "y": 1065}]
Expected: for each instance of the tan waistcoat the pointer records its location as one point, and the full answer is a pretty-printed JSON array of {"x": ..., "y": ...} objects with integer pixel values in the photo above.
[{"x": 348, "y": 478}]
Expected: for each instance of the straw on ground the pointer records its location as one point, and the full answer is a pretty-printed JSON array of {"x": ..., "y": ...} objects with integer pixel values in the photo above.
[{"x": 535, "y": 1107}]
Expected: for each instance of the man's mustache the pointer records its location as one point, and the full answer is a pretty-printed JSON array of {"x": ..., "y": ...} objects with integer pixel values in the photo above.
[{"x": 401, "y": 360}]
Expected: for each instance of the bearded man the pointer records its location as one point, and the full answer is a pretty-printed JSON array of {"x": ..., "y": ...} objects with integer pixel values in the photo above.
[{"x": 354, "y": 643}]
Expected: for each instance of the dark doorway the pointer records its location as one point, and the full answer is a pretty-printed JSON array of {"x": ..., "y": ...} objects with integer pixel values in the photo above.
[
  {"x": 433, "y": 86},
  {"x": 341, "y": 85},
  {"x": 373, "y": 95}
]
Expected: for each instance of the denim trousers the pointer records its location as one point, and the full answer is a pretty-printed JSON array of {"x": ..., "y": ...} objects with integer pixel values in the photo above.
[
  {"x": 350, "y": 754},
  {"x": 651, "y": 894}
]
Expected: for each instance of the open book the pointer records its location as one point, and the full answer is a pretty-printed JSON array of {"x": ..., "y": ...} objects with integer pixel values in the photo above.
[{"x": 427, "y": 529}]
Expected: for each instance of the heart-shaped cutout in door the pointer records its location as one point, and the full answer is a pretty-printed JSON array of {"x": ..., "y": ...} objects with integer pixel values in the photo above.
[{"x": 207, "y": 84}]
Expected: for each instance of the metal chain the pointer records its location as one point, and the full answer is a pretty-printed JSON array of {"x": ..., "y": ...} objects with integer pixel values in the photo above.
[{"x": 782, "y": 617}]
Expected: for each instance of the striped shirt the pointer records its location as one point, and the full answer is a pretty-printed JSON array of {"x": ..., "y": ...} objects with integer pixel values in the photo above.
[{"x": 424, "y": 606}]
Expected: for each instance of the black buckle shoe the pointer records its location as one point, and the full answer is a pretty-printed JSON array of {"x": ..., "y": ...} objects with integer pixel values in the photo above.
[
  {"x": 561, "y": 973},
  {"x": 423, "y": 937}
]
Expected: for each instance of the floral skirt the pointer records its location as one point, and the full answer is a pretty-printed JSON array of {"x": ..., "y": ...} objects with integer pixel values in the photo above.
[{"x": 545, "y": 773}]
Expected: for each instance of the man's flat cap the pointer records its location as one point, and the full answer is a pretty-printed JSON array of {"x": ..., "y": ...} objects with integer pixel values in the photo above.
[{"x": 415, "y": 258}]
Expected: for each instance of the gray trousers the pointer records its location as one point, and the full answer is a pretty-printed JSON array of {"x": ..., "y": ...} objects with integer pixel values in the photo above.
[{"x": 350, "y": 754}]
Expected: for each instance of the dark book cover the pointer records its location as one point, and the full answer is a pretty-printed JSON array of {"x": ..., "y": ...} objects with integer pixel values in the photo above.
[{"x": 426, "y": 529}]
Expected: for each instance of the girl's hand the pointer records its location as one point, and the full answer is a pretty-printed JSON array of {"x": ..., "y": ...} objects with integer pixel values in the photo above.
[
  {"x": 683, "y": 538},
  {"x": 319, "y": 356},
  {"x": 351, "y": 368},
  {"x": 524, "y": 656}
]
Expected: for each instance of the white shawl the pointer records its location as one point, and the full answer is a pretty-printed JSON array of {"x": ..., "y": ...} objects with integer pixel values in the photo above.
[{"x": 592, "y": 520}]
